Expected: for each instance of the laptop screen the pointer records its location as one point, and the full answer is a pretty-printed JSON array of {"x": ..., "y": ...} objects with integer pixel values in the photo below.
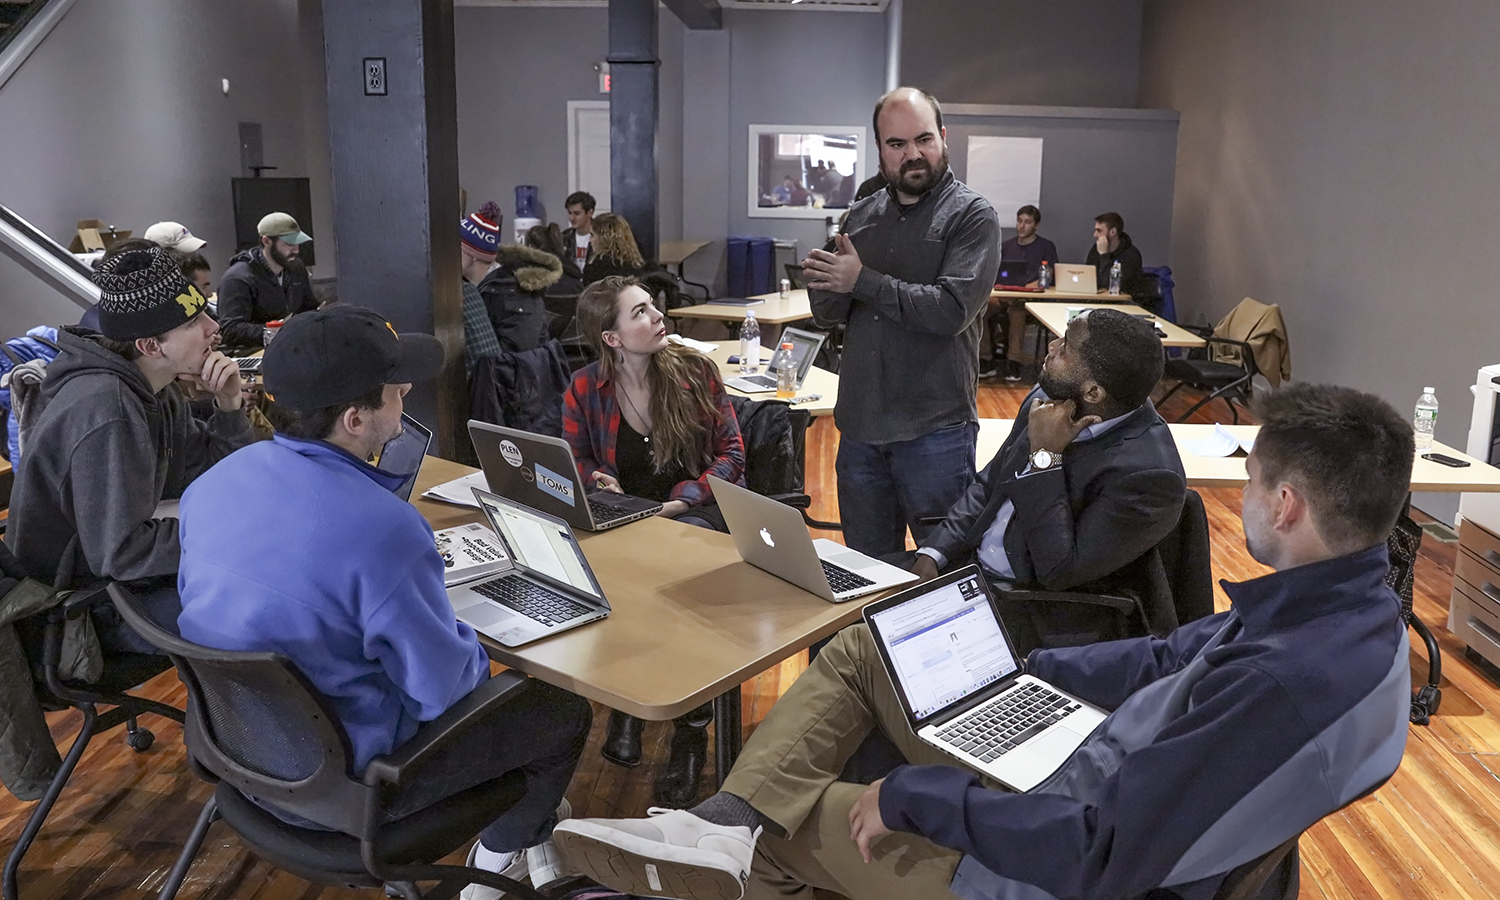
[
  {"x": 541, "y": 543},
  {"x": 804, "y": 346},
  {"x": 403, "y": 454},
  {"x": 944, "y": 645}
]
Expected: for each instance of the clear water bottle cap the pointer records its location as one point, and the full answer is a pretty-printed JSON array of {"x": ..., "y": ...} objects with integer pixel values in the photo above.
[
  {"x": 749, "y": 313},
  {"x": 1428, "y": 390}
]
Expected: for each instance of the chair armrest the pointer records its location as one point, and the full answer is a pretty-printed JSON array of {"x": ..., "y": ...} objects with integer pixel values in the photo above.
[
  {"x": 83, "y": 600},
  {"x": 799, "y": 501},
  {"x": 454, "y": 721},
  {"x": 1202, "y": 331},
  {"x": 1120, "y": 604}
]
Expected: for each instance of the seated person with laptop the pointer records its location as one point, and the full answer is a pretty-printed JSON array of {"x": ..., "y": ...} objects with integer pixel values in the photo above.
[
  {"x": 1021, "y": 259},
  {"x": 1225, "y": 739},
  {"x": 1028, "y": 247},
  {"x": 1086, "y": 485},
  {"x": 650, "y": 418},
  {"x": 1112, "y": 245},
  {"x": 330, "y": 568}
]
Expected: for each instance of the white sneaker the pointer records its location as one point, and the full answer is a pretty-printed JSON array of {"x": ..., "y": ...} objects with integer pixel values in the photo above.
[
  {"x": 515, "y": 870},
  {"x": 544, "y": 861},
  {"x": 672, "y": 854}
]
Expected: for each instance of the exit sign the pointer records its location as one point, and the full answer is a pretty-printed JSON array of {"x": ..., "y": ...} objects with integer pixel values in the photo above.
[{"x": 603, "y": 69}]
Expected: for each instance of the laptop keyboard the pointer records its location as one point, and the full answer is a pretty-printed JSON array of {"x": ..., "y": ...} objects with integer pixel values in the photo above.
[
  {"x": 1002, "y": 727},
  {"x": 605, "y": 512},
  {"x": 532, "y": 600},
  {"x": 761, "y": 380},
  {"x": 842, "y": 579}
]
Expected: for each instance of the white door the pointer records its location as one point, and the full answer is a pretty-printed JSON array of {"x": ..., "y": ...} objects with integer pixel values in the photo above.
[{"x": 588, "y": 149}]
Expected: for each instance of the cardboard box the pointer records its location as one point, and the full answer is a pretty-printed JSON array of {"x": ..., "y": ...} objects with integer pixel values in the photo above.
[{"x": 94, "y": 235}]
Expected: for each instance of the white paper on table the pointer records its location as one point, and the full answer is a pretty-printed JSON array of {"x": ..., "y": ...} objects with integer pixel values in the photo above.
[
  {"x": 459, "y": 490},
  {"x": 1215, "y": 445},
  {"x": 1007, "y": 171},
  {"x": 700, "y": 346}
]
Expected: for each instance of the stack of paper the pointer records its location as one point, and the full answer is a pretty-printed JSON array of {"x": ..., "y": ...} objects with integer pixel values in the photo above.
[
  {"x": 1217, "y": 444},
  {"x": 459, "y": 491},
  {"x": 700, "y": 346}
]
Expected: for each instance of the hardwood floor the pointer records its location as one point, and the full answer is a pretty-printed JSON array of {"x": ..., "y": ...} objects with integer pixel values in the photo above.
[{"x": 1431, "y": 832}]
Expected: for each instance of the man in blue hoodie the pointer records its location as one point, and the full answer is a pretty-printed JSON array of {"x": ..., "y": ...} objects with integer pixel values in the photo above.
[
  {"x": 333, "y": 570},
  {"x": 1225, "y": 739}
]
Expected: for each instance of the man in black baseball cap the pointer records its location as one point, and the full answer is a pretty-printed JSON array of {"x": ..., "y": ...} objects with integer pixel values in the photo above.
[{"x": 332, "y": 569}]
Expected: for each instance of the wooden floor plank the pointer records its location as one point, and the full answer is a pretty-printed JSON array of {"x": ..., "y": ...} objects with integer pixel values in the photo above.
[{"x": 1433, "y": 831}]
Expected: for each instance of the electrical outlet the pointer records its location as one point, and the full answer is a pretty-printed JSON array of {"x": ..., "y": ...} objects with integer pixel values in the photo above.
[{"x": 375, "y": 76}]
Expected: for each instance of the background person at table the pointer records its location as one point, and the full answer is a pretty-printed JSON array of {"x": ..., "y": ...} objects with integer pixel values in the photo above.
[
  {"x": 650, "y": 418},
  {"x": 578, "y": 238},
  {"x": 265, "y": 283},
  {"x": 615, "y": 251},
  {"x": 1086, "y": 485},
  {"x": 912, "y": 274},
  {"x": 1112, "y": 245},
  {"x": 331, "y": 569},
  {"x": 1233, "y": 734},
  {"x": 1029, "y": 245}
]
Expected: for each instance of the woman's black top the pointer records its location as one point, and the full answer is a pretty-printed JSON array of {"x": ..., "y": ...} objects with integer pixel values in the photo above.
[{"x": 638, "y": 476}]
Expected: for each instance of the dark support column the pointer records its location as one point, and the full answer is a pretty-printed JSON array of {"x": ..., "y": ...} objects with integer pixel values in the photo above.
[
  {"x": 395, "y": 181},
  {"x": 633, "y": 71}
]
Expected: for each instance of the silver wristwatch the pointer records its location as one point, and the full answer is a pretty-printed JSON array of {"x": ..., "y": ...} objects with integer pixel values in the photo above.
[{"x": 1045, "y": 459}]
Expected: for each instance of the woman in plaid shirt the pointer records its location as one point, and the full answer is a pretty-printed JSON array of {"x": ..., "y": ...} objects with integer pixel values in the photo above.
[{"x": 650, "y": 418}]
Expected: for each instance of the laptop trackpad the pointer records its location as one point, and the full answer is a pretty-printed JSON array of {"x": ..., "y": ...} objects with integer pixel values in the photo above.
[
  {"x": 1056, "y": 745},
  {"x": 485, "y": 615}
]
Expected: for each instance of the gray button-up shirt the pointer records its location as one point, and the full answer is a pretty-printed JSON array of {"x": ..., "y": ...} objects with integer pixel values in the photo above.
[{"x": 911, "y": 352}]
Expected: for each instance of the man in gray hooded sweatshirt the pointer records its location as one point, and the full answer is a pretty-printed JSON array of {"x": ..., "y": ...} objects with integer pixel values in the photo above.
[{"x": 113, "y": 438}]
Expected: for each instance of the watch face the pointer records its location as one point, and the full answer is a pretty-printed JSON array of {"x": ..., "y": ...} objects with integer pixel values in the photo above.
[{"x": 1041, "y": 459}]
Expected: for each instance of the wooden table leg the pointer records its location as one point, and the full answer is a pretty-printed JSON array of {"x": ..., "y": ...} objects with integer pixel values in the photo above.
[{"x": 726, "y": 732}]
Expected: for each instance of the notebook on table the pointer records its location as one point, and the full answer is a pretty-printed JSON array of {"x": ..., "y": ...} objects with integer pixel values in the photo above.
[
  {"x": 771, "y": 535},
  {"x": 956, "y": 673},
  {"x": 539, "y": 471},
  {"x": 805, "y": 347},
  {"x": 545, "y": 587}
]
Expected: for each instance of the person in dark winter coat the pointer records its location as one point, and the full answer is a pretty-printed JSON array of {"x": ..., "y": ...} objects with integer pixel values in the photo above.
[
  {"x": 265, "y": 284},
  {"x": 513, "y": 293}
]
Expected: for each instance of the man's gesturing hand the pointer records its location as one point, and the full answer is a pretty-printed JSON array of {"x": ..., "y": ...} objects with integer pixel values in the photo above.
[
  {"x": 865, "y": 824},
  {"x": 834, "y": 272},
  {"x": 1051, "y": 425}
]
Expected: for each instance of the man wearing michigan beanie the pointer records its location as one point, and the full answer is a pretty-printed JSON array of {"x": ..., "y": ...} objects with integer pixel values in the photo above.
[{"x": 113, "y": 438}]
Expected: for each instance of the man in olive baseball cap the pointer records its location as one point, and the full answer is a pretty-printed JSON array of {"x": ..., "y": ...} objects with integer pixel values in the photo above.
[{"x": 266, "y": 283}]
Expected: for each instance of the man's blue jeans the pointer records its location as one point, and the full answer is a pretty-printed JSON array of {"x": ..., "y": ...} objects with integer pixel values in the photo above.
[{"x": 886, "y": 488}]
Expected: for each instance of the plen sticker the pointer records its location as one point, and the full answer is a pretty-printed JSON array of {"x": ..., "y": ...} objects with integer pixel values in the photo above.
[{"x": 511, "y": 453}]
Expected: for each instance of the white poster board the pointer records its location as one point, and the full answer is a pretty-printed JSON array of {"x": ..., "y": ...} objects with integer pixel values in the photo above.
[{"x": 1007, "y": 171}]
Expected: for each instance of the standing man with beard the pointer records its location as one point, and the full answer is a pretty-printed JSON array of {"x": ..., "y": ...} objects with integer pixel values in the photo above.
[
  {"x": 910, "y": 275},
  {"x": 265, "y": 283}
]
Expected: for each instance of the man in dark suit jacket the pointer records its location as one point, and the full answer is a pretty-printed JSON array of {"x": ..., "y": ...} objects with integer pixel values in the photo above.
[{"x": 1089, "y": 481}]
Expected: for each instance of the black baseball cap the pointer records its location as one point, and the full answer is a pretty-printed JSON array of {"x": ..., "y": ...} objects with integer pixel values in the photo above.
[{"x": 335, "y": 354}]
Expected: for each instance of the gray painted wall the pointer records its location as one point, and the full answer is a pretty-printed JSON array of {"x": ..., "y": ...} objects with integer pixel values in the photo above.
[
  {"x": 119, "y": 115},
  {"x": 1339, "y": 158},
  {"x": 517, "y": 69},
  {"x": 1090, "y": 165},
  {"x": 1057, "y": 53}
]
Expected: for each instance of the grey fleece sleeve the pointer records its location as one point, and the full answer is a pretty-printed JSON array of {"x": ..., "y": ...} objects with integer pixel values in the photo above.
[{"x": 112, "y": 487}]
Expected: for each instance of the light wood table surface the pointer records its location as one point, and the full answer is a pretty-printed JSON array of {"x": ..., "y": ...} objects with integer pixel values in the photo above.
[
  {"x": 1229, "y": 471},
  {"x": 690, "y": 621},
  {"x": 819, "y": 381},
  {"x": 675, "y": 253},
  {"x": 1054, "y": 317},
  {"x": 1054, "y": 294},
  {"x": 771, "y": 315}
]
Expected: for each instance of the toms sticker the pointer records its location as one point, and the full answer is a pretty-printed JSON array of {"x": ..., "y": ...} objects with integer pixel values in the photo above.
[
  {"x": 555, "y": 484},
  {"x": 510, "y": 453}
]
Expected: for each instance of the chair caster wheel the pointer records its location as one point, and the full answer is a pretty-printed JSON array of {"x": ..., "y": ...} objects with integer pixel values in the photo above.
[
  {"x": 1424, "y": 704},
  {"x": 140, "y": 740}
]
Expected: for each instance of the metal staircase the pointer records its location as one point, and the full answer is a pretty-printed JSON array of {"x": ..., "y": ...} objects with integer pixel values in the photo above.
[{"x": 13, "y": 15}]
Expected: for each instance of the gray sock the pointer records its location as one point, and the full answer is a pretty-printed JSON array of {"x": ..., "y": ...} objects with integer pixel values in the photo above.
[{"x": 729, "y": 810}]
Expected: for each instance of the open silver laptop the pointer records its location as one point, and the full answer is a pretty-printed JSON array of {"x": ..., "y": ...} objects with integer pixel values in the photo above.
[
  {"x": 547, "y": 588},
  {"x": 772, "y": 536},
  {"x": 805, "y": 347},
  {"x": 956, "y": 673},
  {"x": 1076, "y": 278},
  {"x": 403, "y": 454},
  {"x": 539, "y": 471}
]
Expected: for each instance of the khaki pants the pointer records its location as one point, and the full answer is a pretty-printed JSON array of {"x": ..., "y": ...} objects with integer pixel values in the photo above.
[{"x": 789, "y": 772}]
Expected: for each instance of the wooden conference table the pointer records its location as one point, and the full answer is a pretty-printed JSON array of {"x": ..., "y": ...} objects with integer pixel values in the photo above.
[
  {"x": 1054, "y": 317},
  {"x": 775, "y": 312},
  {"x": 819, "y": 381},
  {"x": 1229, "y": 471},
  {"x": 690, "y": 620},
  {"x": 1054, "y": 294}
]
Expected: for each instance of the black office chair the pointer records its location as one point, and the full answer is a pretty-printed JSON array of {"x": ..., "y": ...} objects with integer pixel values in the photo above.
[
  {"x": 257, "y": 728},
  {"x": 775, "y": 436},
  {"x": 1404, "y": 542},
  {"x": 119, "y": 673},
  {"x": 1218, "y": 379}
]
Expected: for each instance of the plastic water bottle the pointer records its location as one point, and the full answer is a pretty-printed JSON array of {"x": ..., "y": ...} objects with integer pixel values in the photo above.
[
  {"x": 786, "y": 372},
  {"x": 1044, "y": 276},
  {"x": 1424, "y": 420},
  {"x": 749, "y": 344},
  {"x": 1114, "y": 279}
]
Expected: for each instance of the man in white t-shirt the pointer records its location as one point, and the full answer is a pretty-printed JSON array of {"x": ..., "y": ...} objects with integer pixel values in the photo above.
[{"x": 578, "y": 239}]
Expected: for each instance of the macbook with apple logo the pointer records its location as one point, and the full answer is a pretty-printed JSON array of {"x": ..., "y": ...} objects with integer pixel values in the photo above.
[{"x": 772, "y": 536}]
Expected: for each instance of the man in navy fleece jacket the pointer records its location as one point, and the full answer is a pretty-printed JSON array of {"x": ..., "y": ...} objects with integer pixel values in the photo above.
[{"x": 1226, "y": 738}]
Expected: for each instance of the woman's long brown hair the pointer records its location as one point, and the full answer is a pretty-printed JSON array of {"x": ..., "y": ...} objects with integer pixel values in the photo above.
[
  {"x": 614, "y": 239},
  {"x": 682, "y": 404}
]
